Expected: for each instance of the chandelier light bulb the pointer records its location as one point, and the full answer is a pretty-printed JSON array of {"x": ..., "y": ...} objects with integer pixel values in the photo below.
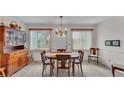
[{"x": 61, "y": 31}]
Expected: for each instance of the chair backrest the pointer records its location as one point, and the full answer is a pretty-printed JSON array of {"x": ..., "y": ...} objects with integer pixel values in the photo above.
[
  {"x": 61, "y": 50},
  {"x": 94, "y": 51},
  {"x": 43, "y": 57},
  {"x": 81, "y": 55},
  {"x": 63, "y": 57},
  {"x": 44, "y": 51}
]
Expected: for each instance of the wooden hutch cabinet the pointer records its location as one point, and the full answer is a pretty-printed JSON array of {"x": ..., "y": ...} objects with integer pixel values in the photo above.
[{"x": 13, "y": 55}]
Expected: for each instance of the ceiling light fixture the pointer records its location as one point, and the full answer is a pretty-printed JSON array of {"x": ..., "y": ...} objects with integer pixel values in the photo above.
[{"x": 61, "y": 31}]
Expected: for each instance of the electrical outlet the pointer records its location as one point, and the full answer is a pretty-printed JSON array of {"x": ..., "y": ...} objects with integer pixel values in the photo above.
[{"x": 109, "y": 60}]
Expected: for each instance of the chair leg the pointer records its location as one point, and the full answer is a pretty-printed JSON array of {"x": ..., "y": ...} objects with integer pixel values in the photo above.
[
  {"x": 52, "y": 69},
  {"x": 43, "y": 69},
  {"x": 78, "y": 66},
  {"x": 97, "y": 61},
  {"x": 113, "y": 71},
  {"x": 81, "y": 69},
  {"x": 53, "y": 65},
  {"x": 69, "y": 65},
  {"x": 69, "y": 72},
  {"x": 72, "y": 68},
  {"x": 89, "y": 59},
  {"x": 57, "y": 69}
]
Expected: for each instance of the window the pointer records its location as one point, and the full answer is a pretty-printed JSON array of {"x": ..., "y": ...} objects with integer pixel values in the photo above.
[
  {"x": 82, "y": 39},
  {"x": 40, "y": 39}
]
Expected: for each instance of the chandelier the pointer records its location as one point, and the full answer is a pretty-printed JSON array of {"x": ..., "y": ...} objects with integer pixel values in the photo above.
[{"x": 61, "y": 31}]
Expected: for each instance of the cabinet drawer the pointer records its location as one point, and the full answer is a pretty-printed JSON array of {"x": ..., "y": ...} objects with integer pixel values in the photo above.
[
  {"x": 13, "y": 54},
  {"x": 12, "y": 60}
]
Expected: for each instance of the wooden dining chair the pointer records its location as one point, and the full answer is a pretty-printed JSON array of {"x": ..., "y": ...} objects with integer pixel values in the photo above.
[
  {"x": 79, "y": 60},
  {"x": 63, "y": 62},
  {"x": 2, "y": 70},
  {"x": 46, "y": 62},
  {"x": 93, "y": 54},
  {"x": 61, "y": 50}
]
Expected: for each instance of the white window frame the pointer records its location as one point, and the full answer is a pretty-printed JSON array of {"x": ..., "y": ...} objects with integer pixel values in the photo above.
[
  {"x": 81, "y": 30},
  {"x": 39, "y": 29}
]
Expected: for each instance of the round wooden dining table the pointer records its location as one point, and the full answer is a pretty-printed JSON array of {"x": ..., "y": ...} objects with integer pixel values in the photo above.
[{"x": 52, "y": 56}]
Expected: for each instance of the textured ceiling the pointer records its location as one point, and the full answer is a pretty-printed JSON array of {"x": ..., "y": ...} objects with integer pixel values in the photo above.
[{"x": 91, "y": 20}]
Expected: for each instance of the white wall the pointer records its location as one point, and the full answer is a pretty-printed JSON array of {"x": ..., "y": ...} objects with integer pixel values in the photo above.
[
  {"x": 61, "y": 42},
  {"x": 111, "y": 29}
]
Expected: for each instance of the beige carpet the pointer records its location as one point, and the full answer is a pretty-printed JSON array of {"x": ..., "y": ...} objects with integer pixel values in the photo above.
[{"x": 34, "y": 69}]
